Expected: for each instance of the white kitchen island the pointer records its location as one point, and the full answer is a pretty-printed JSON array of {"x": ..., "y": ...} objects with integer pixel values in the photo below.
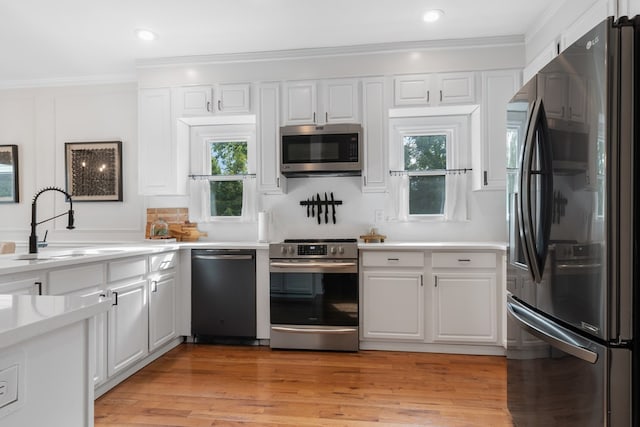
[{"x": 46, "y": 359}]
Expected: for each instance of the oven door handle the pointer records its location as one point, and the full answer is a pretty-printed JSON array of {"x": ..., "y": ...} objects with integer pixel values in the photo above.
[
  {"x": 335, "y": 331},
  {"x": 312, "y": 264}
]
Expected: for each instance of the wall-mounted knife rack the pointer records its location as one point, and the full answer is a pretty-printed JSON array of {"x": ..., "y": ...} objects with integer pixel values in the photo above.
[{"x": 319, "y": 209}]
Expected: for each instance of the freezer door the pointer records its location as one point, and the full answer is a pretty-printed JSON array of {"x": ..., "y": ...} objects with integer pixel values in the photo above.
[{"x": 560, "y": 378}]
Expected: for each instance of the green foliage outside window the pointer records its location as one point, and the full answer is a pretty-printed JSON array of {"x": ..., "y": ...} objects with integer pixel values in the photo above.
[
  {"x": 227, "y": 158},
  {"x": 427, "y": 192}
]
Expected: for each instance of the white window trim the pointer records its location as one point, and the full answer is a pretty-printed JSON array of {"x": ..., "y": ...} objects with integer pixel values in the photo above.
[
  {"x": 457, "y": 128},
  {"x": 200, "y": 139}
]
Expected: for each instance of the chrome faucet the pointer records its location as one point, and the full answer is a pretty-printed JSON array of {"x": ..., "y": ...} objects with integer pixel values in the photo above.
[{"x": 33, "y": 239}]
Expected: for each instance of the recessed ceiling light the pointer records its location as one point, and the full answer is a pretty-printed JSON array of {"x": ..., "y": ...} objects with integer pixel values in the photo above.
[
  {"x": 146, "y": 35},
  {"x": 432, "y": 15}
]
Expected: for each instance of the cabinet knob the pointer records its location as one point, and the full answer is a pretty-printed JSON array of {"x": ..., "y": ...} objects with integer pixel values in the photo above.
[
  {"x": 219, "y": 105},
  {"x": 209, "y": 106}
]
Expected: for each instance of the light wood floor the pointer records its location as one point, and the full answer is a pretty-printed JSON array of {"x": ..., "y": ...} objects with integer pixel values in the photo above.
[{"x": 207, "y": 385}]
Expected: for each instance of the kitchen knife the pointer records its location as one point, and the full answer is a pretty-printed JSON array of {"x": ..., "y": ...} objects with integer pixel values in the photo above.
[
  {"x": 319, "y": 209},
  {"x": 333, "y": 208},
  {"x": 326, "y": 208}
]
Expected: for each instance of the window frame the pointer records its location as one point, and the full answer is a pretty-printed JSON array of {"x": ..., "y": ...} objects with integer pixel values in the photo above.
[
  {"x": 202, "y": 137},
  {"x": 458, "y": 123}
]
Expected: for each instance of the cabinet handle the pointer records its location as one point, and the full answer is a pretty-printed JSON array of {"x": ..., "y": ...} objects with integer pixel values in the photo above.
[
  {"x": 326, "y": 117},
  {"x": 421, "y": 280},
  {"x": 440, "y": 96},
  {"x": 314, "y": 117},
  {"x": 436, "y": 281},
  {"x": 219, "y": 105},
  {"x": 365, "y": 180},
  {"x": 427, "y": 96},
  {"x": 278, "y": 182},
  {"x": 486, "y": 178},
  {"x": 209, "y": 106},
  {"x": 393, "y": 259},
  {"x": 562, "y": 112},
  {"x": 39, "y": 285},
  {"x": 115, "y": 298},
  {"x": 464, "y": 260},
  {"x": 154, "y": 286}
]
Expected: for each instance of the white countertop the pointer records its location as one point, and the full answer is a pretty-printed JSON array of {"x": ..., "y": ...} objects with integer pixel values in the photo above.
[
  {"x": 23, "y": 317},
  {"x": 459, "y": 246}
]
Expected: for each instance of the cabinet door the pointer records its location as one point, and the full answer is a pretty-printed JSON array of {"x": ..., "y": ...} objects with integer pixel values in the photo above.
[
  {"x": 464, "y": 308},
  {"x": 412, "y": 90},
  {"x": 393, "y": 305},
  {"x": 128, "y": 326},
  {"x": 300, "y": 102},
  {"x": 341, "y": 101},
  {"x": 162, "y": 310},
  {"x": 269, "y": 179},
  {"x": 489, "y": 158},
  {"x": 374, "y": 122},
  {"x": 577, "y": 99},
  {"x": 233, "y": 98},
  {"x": 160, "y": 159},
  {"x": 456, "y": 88},
  {"x": 194, "y": 101}
]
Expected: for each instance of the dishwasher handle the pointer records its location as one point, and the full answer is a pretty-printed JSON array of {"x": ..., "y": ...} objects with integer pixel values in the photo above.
[{"x": 225, "y": 257}]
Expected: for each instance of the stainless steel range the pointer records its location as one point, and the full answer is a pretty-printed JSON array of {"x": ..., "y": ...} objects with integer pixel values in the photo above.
[{"x": 314, "y": 294}]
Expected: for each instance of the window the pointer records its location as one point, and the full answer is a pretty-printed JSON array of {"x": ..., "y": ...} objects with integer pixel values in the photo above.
[
  {"x": 228, "y": 164},
  {"x": 426, "y": 154},
  {"x": 429, "y": 154}
]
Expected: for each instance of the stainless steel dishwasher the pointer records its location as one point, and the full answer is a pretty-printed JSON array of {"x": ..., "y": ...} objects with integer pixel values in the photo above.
[{"x": 223, "y": 294}]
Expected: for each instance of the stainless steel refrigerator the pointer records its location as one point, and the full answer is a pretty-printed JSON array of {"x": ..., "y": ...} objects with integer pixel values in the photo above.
[{"x": 572, "y": 202}]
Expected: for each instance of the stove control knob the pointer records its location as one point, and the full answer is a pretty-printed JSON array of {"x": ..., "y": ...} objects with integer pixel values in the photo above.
[
  {"x": 340, "y": 250},
  {"x": 283, "y": 250},
  {"x": 332, "y": 250},
  {"x": 290, "y": 250}
]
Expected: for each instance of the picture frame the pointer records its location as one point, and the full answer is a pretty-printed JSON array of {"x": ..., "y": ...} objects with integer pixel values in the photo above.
[
  {"x": 94, "y": 171},
  {"x": 9, "y": 174}
]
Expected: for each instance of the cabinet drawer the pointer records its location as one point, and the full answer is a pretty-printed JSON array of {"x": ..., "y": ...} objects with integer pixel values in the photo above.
[
  {"x": 162, "y": 261},
  {"x": 124, "y": 269},
  {"x": 393, "y": 259},
  {"x": 72, "y": 279},
  {"x": 463, "y": 260}
]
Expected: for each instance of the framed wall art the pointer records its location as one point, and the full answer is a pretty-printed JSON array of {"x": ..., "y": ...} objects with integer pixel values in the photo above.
[
  {"x": 94, "y": 171},
  {"x": 9, "y": 178}
]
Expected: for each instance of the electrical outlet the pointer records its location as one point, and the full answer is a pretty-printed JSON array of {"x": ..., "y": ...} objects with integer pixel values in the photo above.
[
  {"x": 8, "y": 385},
  {"x": 378, "y": 216}
]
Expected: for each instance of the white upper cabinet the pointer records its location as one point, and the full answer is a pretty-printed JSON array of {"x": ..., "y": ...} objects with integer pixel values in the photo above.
[
  {"x": 374, "y": 124},
  {"x": 434, "y": 89},
  {"x": 162, "y": 161},
  {"x": 489, "y": 152},
  {"x": 338, "y": 103},
  {"x": 203, "y": 100},
  {"x": 270, "y": 180}
]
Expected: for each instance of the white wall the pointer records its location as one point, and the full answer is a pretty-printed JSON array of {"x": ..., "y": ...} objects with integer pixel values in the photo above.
[{"x": 40, "y": 121}]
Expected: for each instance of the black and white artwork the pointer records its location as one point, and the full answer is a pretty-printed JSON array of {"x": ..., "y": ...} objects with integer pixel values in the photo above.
[
  {"x": 94, "y": 171},
  {"x": 9, "y": 174}
]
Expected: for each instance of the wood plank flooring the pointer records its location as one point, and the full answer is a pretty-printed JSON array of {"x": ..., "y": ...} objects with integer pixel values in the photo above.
[{"x": 198, "y": 385}]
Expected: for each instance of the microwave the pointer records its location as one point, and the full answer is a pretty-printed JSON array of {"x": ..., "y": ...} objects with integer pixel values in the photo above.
[{"x": 331, "y": 149}]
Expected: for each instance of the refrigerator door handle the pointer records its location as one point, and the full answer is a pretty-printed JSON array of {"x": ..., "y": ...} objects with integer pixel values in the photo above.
[
  {"x": 536, "y": 251},
  {"x": 549, "y": 332}
]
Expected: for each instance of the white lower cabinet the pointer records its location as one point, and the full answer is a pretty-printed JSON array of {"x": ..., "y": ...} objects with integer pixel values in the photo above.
[
  {"x": 393, "y": 305},
  {"x": 464, "y": 308},
  {"x": 128, "y": 325},
  {"x": 162, "y": 310}
]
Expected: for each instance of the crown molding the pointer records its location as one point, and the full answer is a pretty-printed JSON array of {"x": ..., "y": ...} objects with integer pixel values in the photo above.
[
  {"x": 70, "y": 81},
  {"x": 307, "y": 53}
]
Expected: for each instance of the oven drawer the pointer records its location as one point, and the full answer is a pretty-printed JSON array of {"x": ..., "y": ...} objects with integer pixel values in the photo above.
[
  {"x": 463, "y": 260},
  {"x": 392, "y": 259}
]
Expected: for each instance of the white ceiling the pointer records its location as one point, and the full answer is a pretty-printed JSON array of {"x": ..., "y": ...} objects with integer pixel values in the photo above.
[{"x": 47, "y": 40}]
